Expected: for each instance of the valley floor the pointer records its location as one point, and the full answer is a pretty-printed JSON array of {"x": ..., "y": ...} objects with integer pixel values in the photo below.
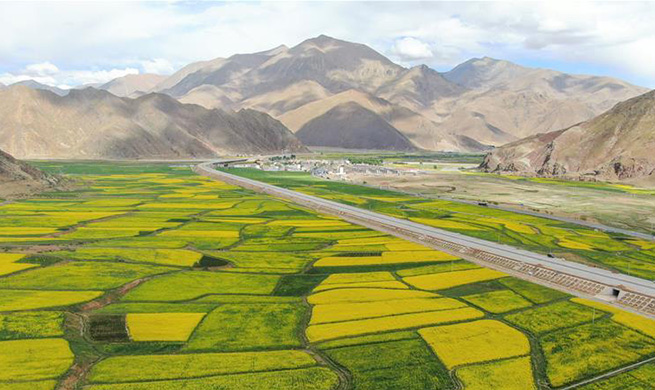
[{"x": 151, "y": 277}]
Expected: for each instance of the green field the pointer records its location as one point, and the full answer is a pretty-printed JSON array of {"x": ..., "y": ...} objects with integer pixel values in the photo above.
[{"x": 148, "y": 276}]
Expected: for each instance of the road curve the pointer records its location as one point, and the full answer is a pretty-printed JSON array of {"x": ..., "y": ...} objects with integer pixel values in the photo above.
[{"x": 607, "y": 278}]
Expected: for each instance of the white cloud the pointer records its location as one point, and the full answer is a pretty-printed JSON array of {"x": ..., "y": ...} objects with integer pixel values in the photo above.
[
  {"x": 158, "y": 66},
  {"x": 95, "y": 76},
  {"x": 49, "y": 74},
  {"x": 150, "y": 36},
  {"x": 410, "y": 49},
  {"x": 41, "y": 69},
  {"x": 8, "y": 78}
]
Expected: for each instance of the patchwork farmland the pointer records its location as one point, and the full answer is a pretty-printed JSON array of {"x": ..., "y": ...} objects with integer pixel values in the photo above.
[{"x": 151, "y": 277}]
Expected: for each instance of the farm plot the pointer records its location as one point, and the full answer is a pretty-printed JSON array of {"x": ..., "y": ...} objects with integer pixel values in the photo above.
[
  {"x": 82, "y": 275},
  {"x": 576, "y": 353},
  {"x": 313, "y": 378},
  {"x": 362, "y": 310},
  {"x": 551, "y": 317},
  {"x": 396, "y": 257},
  {"x": 500, "y": 301},
  {"x": 321, "y": 332},
  {"x": 510, "y": 374},
  {"x": 475, "y": 342},
  {"x": 533, "y": 292},
  {"x": 9, "y": 263},
  {"x": 34, "y": 360},
  {"x": 634, "y": 321},
  {"x": 392, "y": 364},
  {"x": 122, "y": 369},
  {"x": 174, "y": 257},
  {"x": 444, "y": 280},
  {"x": 194, "y": 284},
  {"x": 31, "y": 324},
  {"x": 238, "y": 327},
  {"x": 641, "y": 378},
  {"x": 14, "y": 300},
  {"x": 162, "y": 326}
]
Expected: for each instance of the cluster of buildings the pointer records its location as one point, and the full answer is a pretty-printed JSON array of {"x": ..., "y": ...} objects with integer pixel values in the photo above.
[{"x": 328, "y": 169}]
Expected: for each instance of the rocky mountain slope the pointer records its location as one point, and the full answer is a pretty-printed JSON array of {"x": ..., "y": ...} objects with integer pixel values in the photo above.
[
  {"x": 95, "y": 124},
  {"x": 507, "y": 101},
  {"x": 480, "y": 102},
  {"x": 18, "y": 178},
  {"x": 351, "y": 126},
  {"x": 617, "y": 144},
  {"x": 133, "y": 85},
  {"x": 422, "y": 132}
]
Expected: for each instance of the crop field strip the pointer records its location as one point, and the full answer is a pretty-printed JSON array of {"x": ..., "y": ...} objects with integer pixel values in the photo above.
[{"x": 198, "y": 284}]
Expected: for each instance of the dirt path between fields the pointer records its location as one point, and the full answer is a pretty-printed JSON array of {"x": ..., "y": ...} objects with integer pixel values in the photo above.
[{"x": 75, "y": 328}]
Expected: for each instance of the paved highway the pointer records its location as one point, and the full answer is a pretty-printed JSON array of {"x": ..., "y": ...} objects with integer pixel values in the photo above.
[{"x": 620, "y": 281}]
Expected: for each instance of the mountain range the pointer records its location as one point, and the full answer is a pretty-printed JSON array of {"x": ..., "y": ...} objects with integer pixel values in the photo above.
[
  {"x": 95, "y": 124},
  {"x": 480, "y": 103},
  {"x": 615, "y": 145},
  {"x": 329, "y": 92}
]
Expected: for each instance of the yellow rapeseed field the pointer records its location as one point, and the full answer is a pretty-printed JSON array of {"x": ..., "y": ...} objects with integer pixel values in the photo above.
[
  {"x": 365, "y": 295},
  {"x": 201, "y": 233},
  {"x": 360, "y": 310},
  {"x": 35, "y": 359},
  {"x": 385, "y": 258},
  {"x": 113, "y": 202},
  {"x": 416, "y": 256},
  {"x": 444, "y": 223},
  {"x": 566, "y": 243},
  {"x": 309, "y": 222},
  {"x": 446, "y": 280},
  {"x": 358, "y": 277},
  {"x": 512, "y": 374},
  {"x": 11, "y": 300},
  {"x": 366, "y": 241},
  {"x": 390, "y": 284},
  {"x": 514, "y": 226},
  {"x": 475, "y": 342},
  {"x": 383, "y": 324},
  {"x": 179, "y": 257},
  {"x": 643, "y": 244},
  {"x": 162, "y": 326},
  {"x": 30, "y": 385},
  {"x": 406, "y": 246},
  {"x": 634, "y": 321},
  {"x": 189, "y": 205},
  {"x": 8, "y": 263},
  {"x": 25, "y": 231}
]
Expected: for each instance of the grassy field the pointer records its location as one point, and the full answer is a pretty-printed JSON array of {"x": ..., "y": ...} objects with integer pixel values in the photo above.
[{"x": 150, "y": 277}]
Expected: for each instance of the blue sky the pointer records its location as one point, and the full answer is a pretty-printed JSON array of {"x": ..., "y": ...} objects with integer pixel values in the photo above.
[{"x": 68, "y": 44}]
